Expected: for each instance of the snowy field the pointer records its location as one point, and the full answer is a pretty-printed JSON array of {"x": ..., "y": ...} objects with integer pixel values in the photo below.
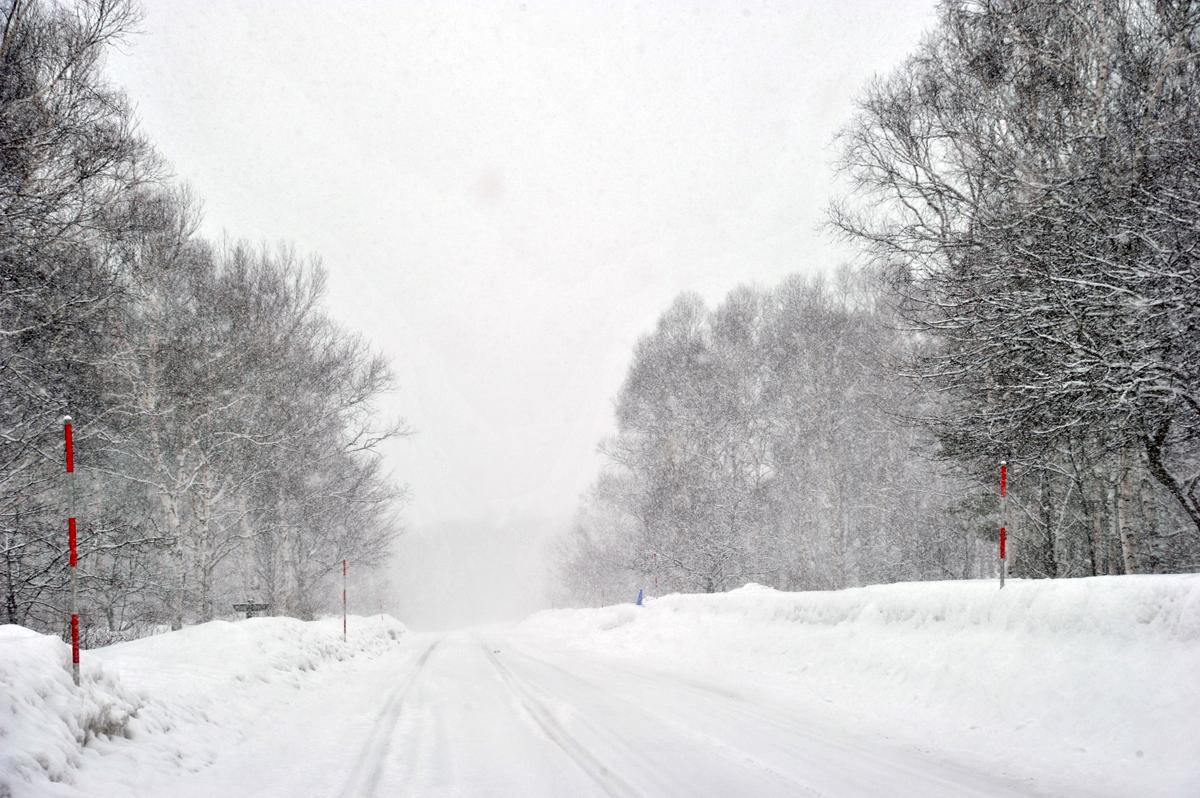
[{"x": 1075, "y": 687}]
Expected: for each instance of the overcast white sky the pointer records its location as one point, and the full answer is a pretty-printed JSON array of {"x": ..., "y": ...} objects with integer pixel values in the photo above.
[{"x": 506, "y": 196}]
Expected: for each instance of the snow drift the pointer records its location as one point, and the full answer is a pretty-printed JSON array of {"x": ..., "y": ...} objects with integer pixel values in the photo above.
[
  {"x": 176, "y": 695},
  {"x": 44, "y": 720},
  {"x": 1087, "y": 684}
]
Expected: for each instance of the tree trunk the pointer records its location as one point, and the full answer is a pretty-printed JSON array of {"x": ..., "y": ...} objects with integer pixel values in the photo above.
[
  {"x": 1090, "y": 515},
  {"x": 1096, "y": 539},
  {"x": 1124, "y": 500},
  {"x": 171, "y": 513},
  {"x": 180, "y": 590},
  {"x": 1149, "y": 516},
  {"x": 206, "y": 603},
  {"x": 1049, "y": 556},
  {"x": 1154, "y": 464},
  {"x": 205, "y": 559},
  {"x": 10, "y": 590}
]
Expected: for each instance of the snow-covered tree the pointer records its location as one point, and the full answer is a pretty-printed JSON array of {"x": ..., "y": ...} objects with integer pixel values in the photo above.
[
  {"x": 227, "y": 445},
  {"x": 769, "y": 440},
  {"x": 1027, "y": 182}
]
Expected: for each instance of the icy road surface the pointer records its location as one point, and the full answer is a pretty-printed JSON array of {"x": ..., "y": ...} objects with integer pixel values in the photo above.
[{"x": 477, "y": 714}]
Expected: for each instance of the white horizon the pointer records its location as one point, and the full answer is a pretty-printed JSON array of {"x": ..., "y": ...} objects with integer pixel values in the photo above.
[{"x": 506, "y": 197}]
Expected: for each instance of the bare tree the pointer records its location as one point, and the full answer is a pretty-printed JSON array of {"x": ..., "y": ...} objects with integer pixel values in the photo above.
[{"x": 1027, "y": 181}]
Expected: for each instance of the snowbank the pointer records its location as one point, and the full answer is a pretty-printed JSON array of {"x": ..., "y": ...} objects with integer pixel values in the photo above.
[
  {"x": 178, "y": 694},
  {"x": 44, "y": 719},
  {"x": 1089, "y": 684}
]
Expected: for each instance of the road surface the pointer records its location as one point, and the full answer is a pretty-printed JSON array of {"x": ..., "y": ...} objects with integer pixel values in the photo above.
[{"x": 482, "y": 714}]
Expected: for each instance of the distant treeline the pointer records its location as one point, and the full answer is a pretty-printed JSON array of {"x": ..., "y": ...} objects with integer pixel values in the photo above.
[
  {"x": 1025, "y": 192},
  {"x": 224, "y": 437}
]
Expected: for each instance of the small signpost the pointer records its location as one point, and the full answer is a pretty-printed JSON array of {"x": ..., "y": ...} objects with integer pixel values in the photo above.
[
  {"x": 251, "y": 609},
  {"x": 343, "y": 601}
]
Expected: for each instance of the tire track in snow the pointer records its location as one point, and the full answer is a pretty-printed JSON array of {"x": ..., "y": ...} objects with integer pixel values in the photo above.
[
  {"x": 737, "y": 707},
  {"x": 368, "y": 768},
  {"x": 605, "y": 779},
  {"x": 719, "y": 747}
]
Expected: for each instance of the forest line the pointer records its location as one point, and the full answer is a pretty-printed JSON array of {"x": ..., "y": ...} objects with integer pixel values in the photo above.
[
  {"x": 1022, "y": 190},
  {"x": 226, "y": 443}
]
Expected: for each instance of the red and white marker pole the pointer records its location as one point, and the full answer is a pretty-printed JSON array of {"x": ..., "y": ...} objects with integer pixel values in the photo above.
[
  {"x": 343, "y": 601},
  {"x": 1003, "y": 519},
  {"x": 69, "y": 444}
]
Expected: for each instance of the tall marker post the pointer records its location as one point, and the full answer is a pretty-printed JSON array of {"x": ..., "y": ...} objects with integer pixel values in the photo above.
[
  {"x": 69, "y": 445},
  {"x": 1003, "y": 519},
  {"x": 343, "y": 601}
]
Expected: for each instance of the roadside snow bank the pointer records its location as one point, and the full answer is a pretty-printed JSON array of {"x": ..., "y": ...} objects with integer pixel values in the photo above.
[
  {"x": 44, "y": 719},
  {"x": 184, "y": 696},
  {"x": 1092, "y": 685},
  {"x": 220, "y": 653}
]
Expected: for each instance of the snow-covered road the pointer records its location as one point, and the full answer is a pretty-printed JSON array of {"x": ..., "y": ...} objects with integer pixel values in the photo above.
[
  {"x": 1078, "y": 687},
  {"x": 479, "y": 714}
]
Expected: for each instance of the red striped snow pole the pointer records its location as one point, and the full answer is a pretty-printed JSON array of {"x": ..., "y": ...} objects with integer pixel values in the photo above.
[
  {"x": 69, "y": 444},
  {"x": 343, "y": 601},
  {"x": 1003, "y": 519}
]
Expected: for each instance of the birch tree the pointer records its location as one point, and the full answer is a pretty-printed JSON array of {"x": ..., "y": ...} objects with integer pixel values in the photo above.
[{"x": 1027, "y": 179}]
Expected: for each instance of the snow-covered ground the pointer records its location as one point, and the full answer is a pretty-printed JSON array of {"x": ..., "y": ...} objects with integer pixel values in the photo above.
[
  {"x": 1073, "y": 687},
  {"x": 151, "y": 711}
]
